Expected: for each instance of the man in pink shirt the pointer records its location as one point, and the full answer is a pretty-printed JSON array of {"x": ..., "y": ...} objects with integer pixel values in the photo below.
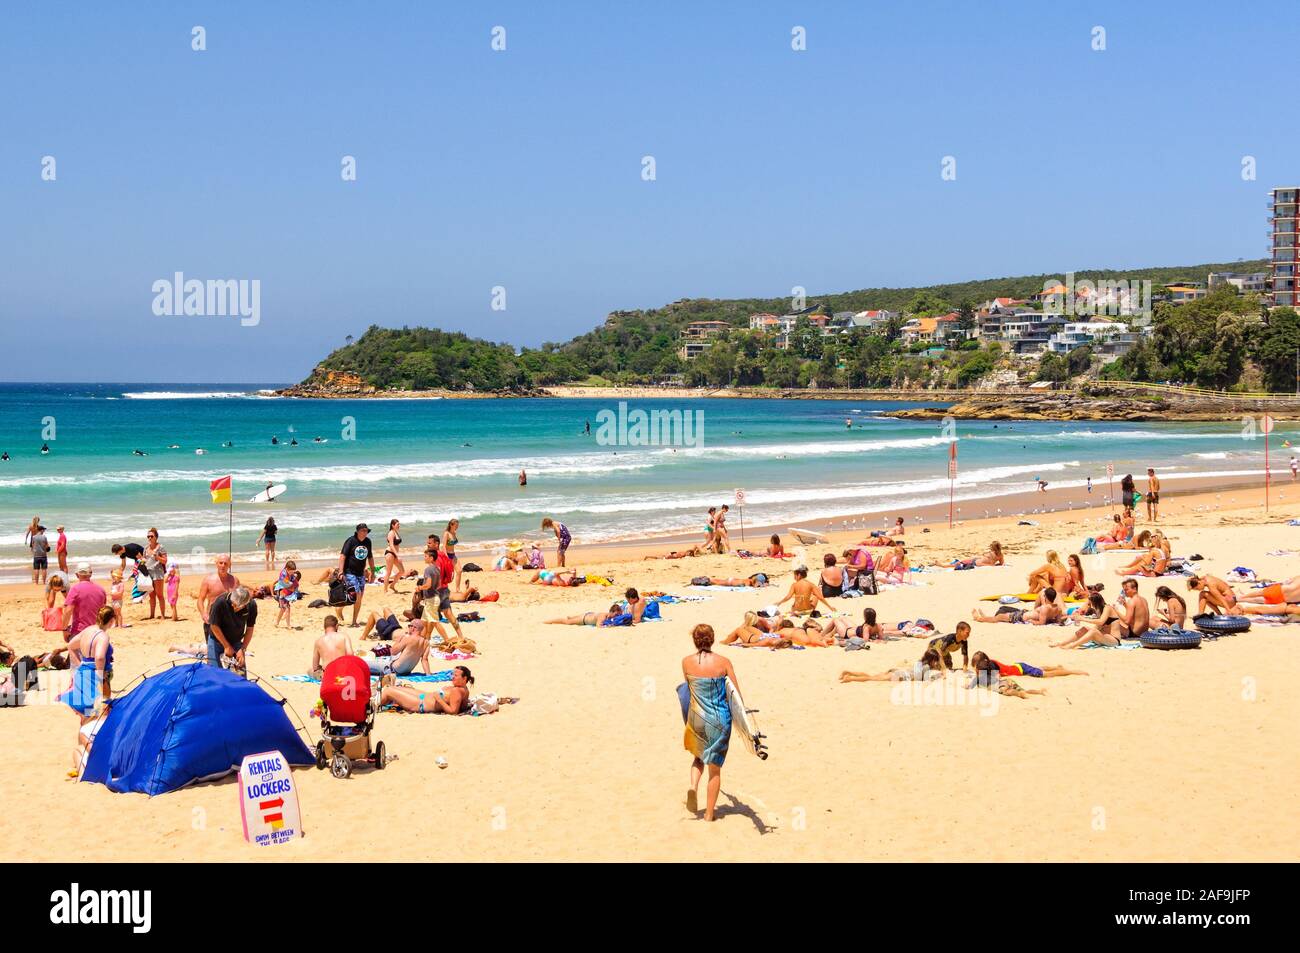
[{"x": 84, "y": 600}]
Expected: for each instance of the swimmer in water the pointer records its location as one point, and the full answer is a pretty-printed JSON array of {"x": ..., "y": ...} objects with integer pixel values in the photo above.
[
  {"x": 228, "y": 443},
  {"x": 45, "y": 448},
  {"x": 140, "y": 453},
  {"x": 293, "y": 442},
  {"x": 274, "y": 441},
  {"x": 5, "y": 456}
]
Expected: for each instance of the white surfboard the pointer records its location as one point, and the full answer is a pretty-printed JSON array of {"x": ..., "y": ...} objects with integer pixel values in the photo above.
[
  {"x": 807, "y": 535},
  {"x": 742, "y": 720},
  {"x": 266, "y": 496}
]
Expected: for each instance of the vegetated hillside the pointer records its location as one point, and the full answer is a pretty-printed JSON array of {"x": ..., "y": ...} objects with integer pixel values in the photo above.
[{"x": 641, "y": 346}]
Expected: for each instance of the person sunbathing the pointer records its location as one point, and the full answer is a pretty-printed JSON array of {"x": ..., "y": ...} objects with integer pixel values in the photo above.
[
  {"x": 1171, "y": 610},
  {"x": 1128, "y": 618},
  {"x": 1119, "y": 534},
  {"x": 757, "y": 581},
  {"x": 555, "y": 577},
  {"x": 409, "y": 649},
  {"x": 894, "y": 564},
  {"x": 1279, "y": 593},
  {"x": 330, "y": 645},
  {"x": 991, "y": 557},
  {"x": 1215, "y": 595},
  {"x": 870, "y": 630},
  {"x": 927, "y": 669},
  {"x": 1048, "y": 609},
  {"x": 1150, "y": 563},
  {"x": 775, "y": 549},
  {"x": 1252, "y": 608},
  {"x": 588, "y": 618},
  {"x": 1051, "y": 574},
  {"x": 449, "y": 701},
  {"x": 748, "y": 634},
  {"x": 675, "y": 554},
  {"x": 804, "y": 594}
]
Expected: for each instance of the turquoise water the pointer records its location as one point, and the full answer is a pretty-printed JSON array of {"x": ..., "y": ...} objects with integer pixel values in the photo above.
[{"x": 409, "y": 460}]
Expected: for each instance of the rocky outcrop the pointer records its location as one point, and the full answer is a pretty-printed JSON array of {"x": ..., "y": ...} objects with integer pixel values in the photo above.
[{"x": 1072, "y": 406}]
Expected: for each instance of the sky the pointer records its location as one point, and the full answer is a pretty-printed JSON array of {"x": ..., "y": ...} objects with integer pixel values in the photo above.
[{"x": 523, "y": 169}]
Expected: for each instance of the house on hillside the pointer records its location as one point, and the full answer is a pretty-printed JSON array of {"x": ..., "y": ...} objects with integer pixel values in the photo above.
[{"x": 698, "y": 336}]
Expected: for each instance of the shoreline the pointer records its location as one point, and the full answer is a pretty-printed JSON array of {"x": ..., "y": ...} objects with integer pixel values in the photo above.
[{"x": 1066, "y": 503}]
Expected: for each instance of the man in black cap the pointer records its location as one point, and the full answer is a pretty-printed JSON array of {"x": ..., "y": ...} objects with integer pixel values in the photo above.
[{"x": 357, "y": 564}]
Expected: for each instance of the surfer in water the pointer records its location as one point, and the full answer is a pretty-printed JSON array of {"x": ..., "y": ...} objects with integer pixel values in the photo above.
[
  {"x": 45, "y": 448},
  {"x": 4, "y": 456},
  {"x": 275, "y": 441},
  {"x": 140, "y": 453},
  {"x": 707, "y": 714}
]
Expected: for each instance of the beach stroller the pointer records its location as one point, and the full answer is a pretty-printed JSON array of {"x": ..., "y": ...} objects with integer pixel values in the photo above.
[{"x": 348, "y": 718}]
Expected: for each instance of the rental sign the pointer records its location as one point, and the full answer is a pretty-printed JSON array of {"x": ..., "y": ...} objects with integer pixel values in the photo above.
[{"x": 268, "y": 801}]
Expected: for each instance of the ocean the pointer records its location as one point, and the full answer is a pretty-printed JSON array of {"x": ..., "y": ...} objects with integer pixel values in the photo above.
[{"x": 425, "y": 461}]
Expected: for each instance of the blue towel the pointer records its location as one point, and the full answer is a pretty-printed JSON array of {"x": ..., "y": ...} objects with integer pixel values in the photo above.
[{"x": 443, "y": 676}]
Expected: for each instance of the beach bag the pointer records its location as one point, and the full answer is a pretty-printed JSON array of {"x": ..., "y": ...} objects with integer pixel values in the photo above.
[
  {"x": 651, "y": 610},
  {"x": 471, "y": 567},
  {"x": 624, "y": 618},
  {"x": 484, "y": 704},
  {"x": 52, "y": 619},
  {"x": 342, "y": 594},
  {"x": 1089, "y": 546}
]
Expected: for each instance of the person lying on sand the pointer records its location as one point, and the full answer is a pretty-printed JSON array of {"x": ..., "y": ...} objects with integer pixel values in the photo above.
[
  {"x": 927, "y": 669},
  {"x": 805, "y": 594},
  {"x": 588, "y": 618},
  {"x": 991, "y": 557},
  {"x": 1289, "y": 608},
  {"x": 448, "y": 701},
  {"x": 748, "y": 634},
  {"x": 1215, "y": 595},
  {"x": 675, "y": 554},
  {"x": 757, "y": 581},
  {"x": 330, "y": 645},
  {"x": 982, "y": 663},
  {"x": 555, "y": 577},
  {"x": 870, "y": 630},
  {"x": 1279, "y": 593},
  {"x": 1047, "y": 610},
  {"x": 1128, "y": 618}
]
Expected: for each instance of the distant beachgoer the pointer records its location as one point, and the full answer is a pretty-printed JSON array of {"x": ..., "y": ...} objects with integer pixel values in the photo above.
[
  {"x": 40, "y": 547},
  {"x": 267, "y": 538},
  {"x": 523, "y": 478},
  {"x": 991, "y": 557},
  {"x": 774, "y": 548},
  {"x": 1153, "y": 495},
  {"x": 393, "y": 566},
  {"x": 449, "y": 543},
  {"x": 804, "y": 594},
  {"x": 1128, "y": 492},
  {"x": 173, "y": 582},
  {"x": 721, "y": 538},
  {"x": 562, "y": 536},
  {"x": 61, "y": 549},
  {"x": 710, "y": 531},
  {"x": 116, "y": 591},
  {"x": 1089, "y": 484},
  {"x": 588, "y": 618},
  {"x": 155, "y": 564},
  {"x": 1295, "y": 467},
  {"x": 708, "y": 717}
]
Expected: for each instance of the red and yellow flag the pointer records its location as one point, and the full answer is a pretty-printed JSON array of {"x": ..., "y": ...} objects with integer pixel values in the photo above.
[{"x": 220, "y": 488}]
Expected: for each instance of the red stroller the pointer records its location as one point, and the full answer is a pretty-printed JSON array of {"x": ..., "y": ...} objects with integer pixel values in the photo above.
[{"x": 348, "y": 718}]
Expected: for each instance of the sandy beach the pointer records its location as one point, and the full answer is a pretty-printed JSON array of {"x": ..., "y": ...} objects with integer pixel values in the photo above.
[{"x": 1153, "y": 756}]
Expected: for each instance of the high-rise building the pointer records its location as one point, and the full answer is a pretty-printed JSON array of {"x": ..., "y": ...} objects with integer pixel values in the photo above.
[{"x": 1284, "y": 206}]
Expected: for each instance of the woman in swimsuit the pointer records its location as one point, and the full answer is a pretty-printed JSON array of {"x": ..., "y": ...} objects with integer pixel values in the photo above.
[
  {"x": 1051, "y": 574},
  {"x": 267, "y": 536},
  {"x": 393, "y": 568},
  {"x": 774, "y": 548},
  {"x": 1171, "y": 610},
  {"x": 452, "y": 701},
  {"x": 91, "y": 655},
  {"x": 449, "y": 541},
  {"x": 870, "y": 630},
  {"x": 587, "y": 618},
  {"x": 748, "y": 633},
  {"x": 1150, "y": 563},
  {"x": 550, "y": 577}
]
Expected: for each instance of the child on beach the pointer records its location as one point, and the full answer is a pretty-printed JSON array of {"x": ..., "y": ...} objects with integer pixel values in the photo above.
[
  {"x": 115, "y": 596},
  {"x": 286, "y": 592},
  {"x": 927, "y": 669},
  {"x": 173, "y": 590},
  {"x": 945, "y": 644}
]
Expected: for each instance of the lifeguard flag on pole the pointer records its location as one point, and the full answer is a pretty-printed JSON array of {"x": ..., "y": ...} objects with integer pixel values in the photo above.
[{"x": 220, "y": 488}]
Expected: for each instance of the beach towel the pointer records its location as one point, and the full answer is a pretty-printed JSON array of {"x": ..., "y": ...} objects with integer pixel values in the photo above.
[
  {"x": 443, "y": 676},
  {"x": 723, "y": 588},
  {"x": 707, "y": 716},
  {"x": 1125, "y": 645},
  {"x": 1024, "y": 597}
]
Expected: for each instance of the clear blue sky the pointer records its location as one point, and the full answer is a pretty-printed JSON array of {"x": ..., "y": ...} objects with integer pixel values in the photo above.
[{"x": 523, "y": 168}]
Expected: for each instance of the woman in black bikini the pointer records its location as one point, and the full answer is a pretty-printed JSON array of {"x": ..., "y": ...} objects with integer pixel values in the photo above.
[
  {"x": 393, "y": 568},
  {"x": 269, "y": 532},
  {"x": 449, "y": 541}
]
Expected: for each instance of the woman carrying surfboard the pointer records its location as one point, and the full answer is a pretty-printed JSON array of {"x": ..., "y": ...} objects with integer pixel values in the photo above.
[{"x": 708, "y": 717}]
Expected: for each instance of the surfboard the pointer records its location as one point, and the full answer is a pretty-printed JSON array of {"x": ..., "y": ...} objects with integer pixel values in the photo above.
[
  {"x": 742, "y": 720},
  {"x": 266, "y": 496},
  {"x": 807, "y": 535}
]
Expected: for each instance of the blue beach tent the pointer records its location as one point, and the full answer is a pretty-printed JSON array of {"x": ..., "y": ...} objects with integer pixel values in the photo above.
[{"x": 189, "y": 723}]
